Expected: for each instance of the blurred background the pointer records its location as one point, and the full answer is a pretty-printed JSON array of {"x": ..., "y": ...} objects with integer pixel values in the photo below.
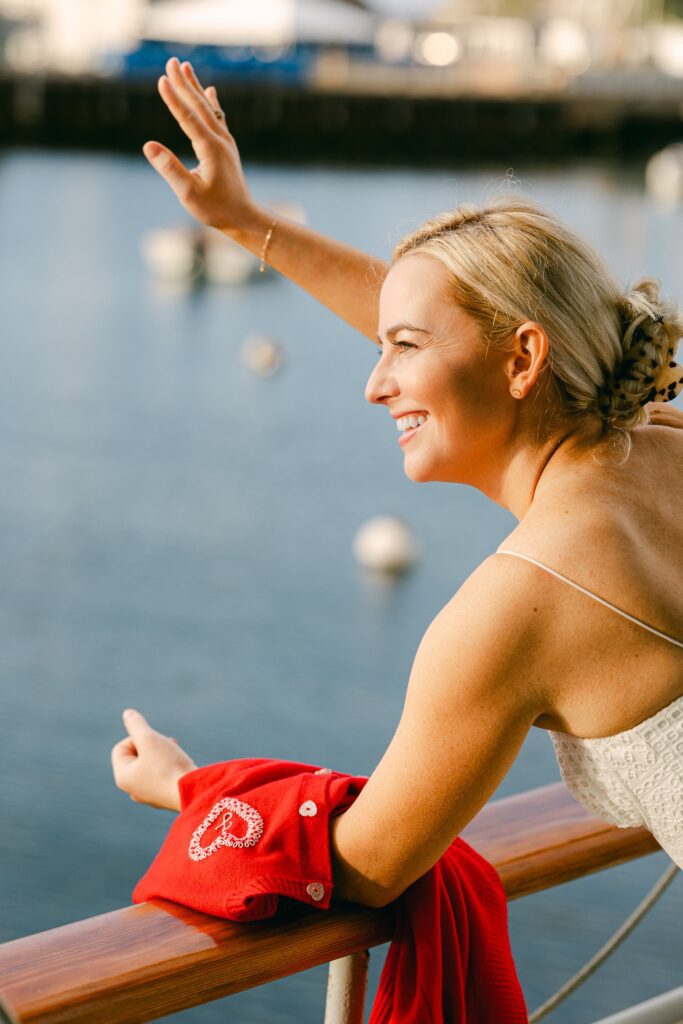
[
  {"x": 404, "y": 82},
  {"x": 185, "y": 450}
]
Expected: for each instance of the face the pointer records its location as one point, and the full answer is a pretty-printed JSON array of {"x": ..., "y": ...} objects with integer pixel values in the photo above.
[{"x": 434, "y": 364}]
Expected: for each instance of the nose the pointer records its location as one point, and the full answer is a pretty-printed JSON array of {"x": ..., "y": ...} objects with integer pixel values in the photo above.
[{"x": 381, "y": 384}]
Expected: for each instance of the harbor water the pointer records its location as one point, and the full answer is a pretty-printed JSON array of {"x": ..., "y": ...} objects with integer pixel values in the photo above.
[{"x": 175, "y": 535}]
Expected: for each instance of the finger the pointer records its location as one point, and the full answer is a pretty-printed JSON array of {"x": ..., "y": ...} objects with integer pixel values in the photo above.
[
  {"x": 665, "y": 410},
  {"x": 215, "y": 104},
  {"x": 192, "y": 122},
  {"x": 194, "y": 101},
  {"x": 170, "y": 168},
  {"x": 208, "y": 98},
  {"x": 137, "y": 725},
  {"x": 191, "y": 76},
  {"x": 123, "y": 753}
]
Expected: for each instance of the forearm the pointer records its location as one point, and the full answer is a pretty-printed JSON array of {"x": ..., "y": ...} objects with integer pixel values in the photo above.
[{"x": 342, "y": 278}]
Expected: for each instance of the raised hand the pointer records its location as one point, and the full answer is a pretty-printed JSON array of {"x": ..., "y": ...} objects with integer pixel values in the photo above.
[
  {"x": 214, "y": 192},
  {"x": 665, "y": 414},
  {"x": 147, "y": 765},
  {"x": 345, "y": 280}
]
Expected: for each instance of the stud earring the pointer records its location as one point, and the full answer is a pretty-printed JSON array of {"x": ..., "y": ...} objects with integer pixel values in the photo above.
[{"x": 516, "y": 393}]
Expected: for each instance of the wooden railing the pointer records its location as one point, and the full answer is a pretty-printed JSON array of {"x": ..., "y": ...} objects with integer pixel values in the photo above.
[{"x": 143, "y": 962}]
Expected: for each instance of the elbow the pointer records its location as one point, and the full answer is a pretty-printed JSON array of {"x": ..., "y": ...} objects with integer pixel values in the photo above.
[
  {"x": 358, "y": 888},
  {"x": 375, "y": 896},
  {"x": 359, "y": 878},
  {"x": 379, "y": 898}
]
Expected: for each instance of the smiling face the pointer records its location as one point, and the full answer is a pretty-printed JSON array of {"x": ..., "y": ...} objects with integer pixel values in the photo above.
[{"x": 435, "y": 364}]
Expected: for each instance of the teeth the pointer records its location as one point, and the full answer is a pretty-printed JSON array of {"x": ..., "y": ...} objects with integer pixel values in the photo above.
[{"x": 407, "y": 422}]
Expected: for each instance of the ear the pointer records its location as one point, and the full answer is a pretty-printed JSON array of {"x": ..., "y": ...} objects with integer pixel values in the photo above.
[{"x": 527, "y": 356}]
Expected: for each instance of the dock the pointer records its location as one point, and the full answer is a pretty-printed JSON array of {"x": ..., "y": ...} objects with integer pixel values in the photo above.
[{"x": 354, "y": 123}]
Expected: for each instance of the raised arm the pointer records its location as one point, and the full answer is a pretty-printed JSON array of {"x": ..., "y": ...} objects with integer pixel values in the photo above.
[{"x": 344, "y": 279}]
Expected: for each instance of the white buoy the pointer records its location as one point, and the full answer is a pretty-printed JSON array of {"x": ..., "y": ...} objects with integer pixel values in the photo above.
[
  {"x": 664, "y": 174},
  {"x": 261, "y": 355},
  {"x": 387, "y": 544}
]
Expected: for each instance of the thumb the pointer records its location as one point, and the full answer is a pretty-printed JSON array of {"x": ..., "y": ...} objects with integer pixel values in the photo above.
[
  {"x": 167, "y": 165},
  {"x": 136, "y": 723},
  {"x": 123, "y": 753}
]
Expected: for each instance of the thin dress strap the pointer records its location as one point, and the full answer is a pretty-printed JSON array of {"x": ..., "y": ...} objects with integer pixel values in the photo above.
[{"x": 632, "y": 618}]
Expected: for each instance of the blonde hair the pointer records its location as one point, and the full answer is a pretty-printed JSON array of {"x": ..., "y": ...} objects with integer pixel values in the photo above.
[{"x": 511, "y": 261}]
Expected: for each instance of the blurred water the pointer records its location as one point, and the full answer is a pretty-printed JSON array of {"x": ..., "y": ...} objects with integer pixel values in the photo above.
[{"x": 175, "y": 534}]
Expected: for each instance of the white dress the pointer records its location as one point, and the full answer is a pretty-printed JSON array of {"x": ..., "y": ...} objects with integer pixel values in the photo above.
[{"x": 636, "y": 777}]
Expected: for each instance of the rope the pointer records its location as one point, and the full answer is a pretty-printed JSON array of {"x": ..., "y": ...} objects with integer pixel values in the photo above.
[{"x": 609, "y": 947}]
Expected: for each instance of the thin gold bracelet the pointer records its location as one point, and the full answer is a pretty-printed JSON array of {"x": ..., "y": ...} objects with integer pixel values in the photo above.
[{"x": 262, "y": 265}]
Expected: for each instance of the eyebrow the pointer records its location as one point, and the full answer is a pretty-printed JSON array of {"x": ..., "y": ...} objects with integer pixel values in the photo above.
[{"x": 402, "y": 327}]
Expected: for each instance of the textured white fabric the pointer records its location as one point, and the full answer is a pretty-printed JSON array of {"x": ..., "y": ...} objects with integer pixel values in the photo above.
[
  {"x": 633, "y": 778},
  {"x": 636, "y": 777}
]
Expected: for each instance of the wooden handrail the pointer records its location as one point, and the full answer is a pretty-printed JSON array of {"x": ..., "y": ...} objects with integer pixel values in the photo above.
[{"x": 144, "y": 962}]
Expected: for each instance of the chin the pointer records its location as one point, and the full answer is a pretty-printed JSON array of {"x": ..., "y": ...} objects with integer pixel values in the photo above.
[
  {"x": 421, "y": 471},
  {"x": 419, "y": 474}
]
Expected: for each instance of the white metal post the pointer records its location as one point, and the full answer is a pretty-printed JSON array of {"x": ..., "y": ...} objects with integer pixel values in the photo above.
[
  {"x": 346, "y": 983},
  {"x": 664, "y": 1009}
]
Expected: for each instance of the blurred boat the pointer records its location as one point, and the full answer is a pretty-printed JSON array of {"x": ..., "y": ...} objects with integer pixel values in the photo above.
[
  {"x": 226, "y": 262},
  {"x": 664, "y": 174},
  {"x": 197, "y": 254},
  {"x": 173, "y": 254}
]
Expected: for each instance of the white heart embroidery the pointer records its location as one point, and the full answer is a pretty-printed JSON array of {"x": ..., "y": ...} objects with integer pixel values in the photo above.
[
  {"x": 308, "y": 809},
  {"x": 229, "y": 807}
]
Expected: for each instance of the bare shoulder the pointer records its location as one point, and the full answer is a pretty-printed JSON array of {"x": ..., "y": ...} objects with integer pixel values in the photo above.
[
  {"x": 486, "y": 643},
  {"x": 495, "y": 597}
]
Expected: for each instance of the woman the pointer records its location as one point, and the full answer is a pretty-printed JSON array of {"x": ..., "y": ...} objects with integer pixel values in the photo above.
[{"x": 510, "y": 362}]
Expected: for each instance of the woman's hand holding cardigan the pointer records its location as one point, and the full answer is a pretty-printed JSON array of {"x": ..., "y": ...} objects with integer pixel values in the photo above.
[{"x": 215, "y": 193}]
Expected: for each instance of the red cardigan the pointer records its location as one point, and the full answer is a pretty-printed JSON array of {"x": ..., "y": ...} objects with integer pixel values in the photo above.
[{"x": 253, "y": 830}]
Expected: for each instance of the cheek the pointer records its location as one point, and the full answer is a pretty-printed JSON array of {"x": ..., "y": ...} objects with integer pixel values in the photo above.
[
  {"x": 463, "y": 395},
  {"x": 469, "y": 409}
]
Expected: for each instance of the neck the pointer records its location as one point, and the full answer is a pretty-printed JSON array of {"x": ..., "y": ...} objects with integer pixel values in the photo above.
[{"x": 528, "y": 471}]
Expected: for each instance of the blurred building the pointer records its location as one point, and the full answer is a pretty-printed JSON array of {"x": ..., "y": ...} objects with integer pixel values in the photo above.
[
  {"x": 507, "y": 47},
  {"x": 486, "y": 47},
  {"x": 76, "y": 36},
  {"x": 276, "y": 23},
  {"x": 69, "y": 36}
]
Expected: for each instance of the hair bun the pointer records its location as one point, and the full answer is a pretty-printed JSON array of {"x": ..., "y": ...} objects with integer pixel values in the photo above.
[{"x": 651, "y": 328}]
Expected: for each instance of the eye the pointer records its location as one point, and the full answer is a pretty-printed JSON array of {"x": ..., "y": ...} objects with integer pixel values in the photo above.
[{"x": 403, "y": 344}]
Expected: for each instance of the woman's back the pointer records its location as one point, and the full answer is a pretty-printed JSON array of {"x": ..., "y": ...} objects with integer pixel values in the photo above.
[
  {"x": 616, "y": 685},
  {"x": 616, "y": 532}
]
